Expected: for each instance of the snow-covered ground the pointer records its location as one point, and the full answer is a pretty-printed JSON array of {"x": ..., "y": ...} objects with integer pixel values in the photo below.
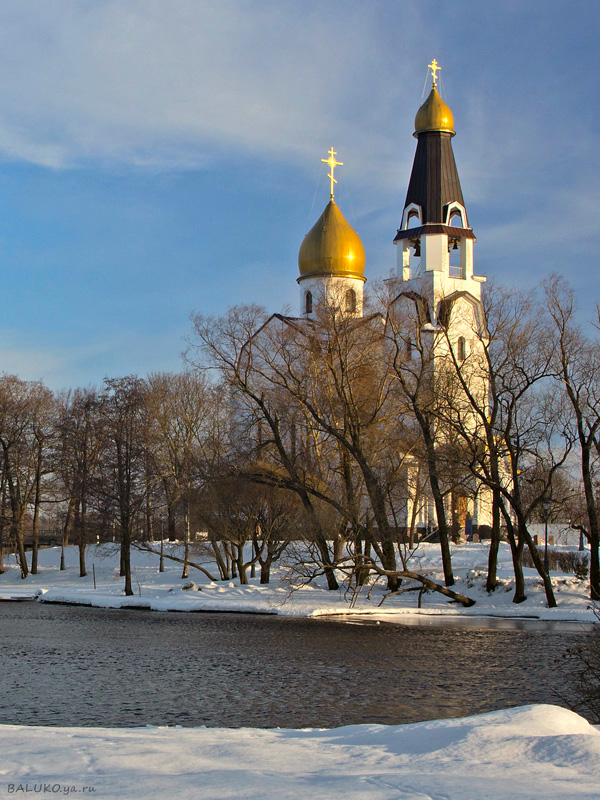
[
  {"x": 523, "y": 753},
  {"x": 164, "y": 591}
]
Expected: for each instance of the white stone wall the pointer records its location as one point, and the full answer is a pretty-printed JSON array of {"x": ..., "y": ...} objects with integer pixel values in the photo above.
[{"x": 331, "y": 290}]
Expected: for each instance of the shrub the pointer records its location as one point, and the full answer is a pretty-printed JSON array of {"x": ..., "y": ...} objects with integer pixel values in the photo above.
[
  {"x": 563, "y": 561},
  {"x": 582, "y": 663}
]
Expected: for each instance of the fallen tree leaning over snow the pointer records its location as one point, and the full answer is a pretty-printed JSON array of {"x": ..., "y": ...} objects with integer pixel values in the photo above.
[{"x": 187, "y": 562}]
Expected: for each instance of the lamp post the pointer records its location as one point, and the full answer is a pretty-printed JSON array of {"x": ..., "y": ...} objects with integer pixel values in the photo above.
[{"x": 546, "y": 507}]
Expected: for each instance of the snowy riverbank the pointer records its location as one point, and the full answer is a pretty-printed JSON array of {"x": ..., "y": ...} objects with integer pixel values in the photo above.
[
  {"x": 165, "y": 591},
  {"x": 525, "y": 753}
]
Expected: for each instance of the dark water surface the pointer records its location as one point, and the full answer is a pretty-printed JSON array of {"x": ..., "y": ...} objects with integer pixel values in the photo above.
[{"x": 62, "y": 665}]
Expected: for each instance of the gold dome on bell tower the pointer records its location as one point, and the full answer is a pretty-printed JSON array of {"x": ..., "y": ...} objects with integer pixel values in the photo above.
[
  {"x": 434, "y": 114},
  {"x": 332, "y": 246}
]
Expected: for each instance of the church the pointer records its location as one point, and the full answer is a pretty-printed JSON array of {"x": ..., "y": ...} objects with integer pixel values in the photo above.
[{"x": 434, "y": 276}]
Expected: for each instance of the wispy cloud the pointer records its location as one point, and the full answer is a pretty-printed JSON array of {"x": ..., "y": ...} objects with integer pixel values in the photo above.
[
  {"x": 191, "y": 84},
  {"x": 153, "y": 83}
]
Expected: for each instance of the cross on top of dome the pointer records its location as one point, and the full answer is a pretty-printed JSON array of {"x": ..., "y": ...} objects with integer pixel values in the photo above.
[
  {"x": 332, "y": 164},
  {"x": 435, "y": 68}
]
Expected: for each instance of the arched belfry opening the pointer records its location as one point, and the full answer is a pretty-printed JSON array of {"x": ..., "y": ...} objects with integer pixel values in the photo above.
[
  {"x": 456, "y": 217},
  {"x": 454, "y": 257}
]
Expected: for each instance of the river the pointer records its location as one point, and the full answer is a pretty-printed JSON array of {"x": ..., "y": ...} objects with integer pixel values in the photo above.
[{"x": 63, "y": 666}]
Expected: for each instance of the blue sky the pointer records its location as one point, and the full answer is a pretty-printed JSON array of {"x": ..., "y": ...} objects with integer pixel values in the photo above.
[{"x": 162, "y": 158}]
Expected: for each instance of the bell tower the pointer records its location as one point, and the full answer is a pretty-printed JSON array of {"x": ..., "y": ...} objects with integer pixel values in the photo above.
[
  {"x": 435, "y": 241},
  {"x": 435, "y": 275}
]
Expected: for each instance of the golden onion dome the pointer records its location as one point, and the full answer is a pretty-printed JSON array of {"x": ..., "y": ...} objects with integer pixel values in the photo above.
[
  {"x": 434, "y": 115},
  {"x": 332, "y": 247}
]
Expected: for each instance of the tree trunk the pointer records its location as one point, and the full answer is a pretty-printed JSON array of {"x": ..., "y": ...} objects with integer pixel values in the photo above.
[
  {"x": 186, "y": 540},
  {"x": 416, "y": 499},
  {"x": 126, "y": 556},
  {"x": 67, "y": 529},
  {"x": 592, "y": 515},
  {"x": 594, "y": 570},
  {"x": 388, "y": 552},
  {"x": 492, "y": 576},
  {"x": 18, "y": 533},
  {"x": 221, "y": 564},
  {"x": 2, "y": 520},
  {"x": 36, "y": 512},
  {"x": 149, "y": 526},
  {"x": 539, "y": 564},
  {"x": 438, "y": 498},
  {"x": 516, "y": 550},
  {"x": 265, "y": 570},
  {"x": 321, "y": 542},
  {"x": 82, "y": 535},
  {"x": 239, "y": 562},
  {"x": 82, "y": 570}
]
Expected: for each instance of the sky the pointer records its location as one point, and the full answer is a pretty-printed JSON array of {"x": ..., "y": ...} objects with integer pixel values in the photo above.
[{"x": 159, "y": 159}]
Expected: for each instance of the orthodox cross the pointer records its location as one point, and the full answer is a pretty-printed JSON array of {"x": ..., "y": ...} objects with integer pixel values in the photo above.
[
  {"x": 332, "y": 164},
  {"x": 435, "y": 68}
]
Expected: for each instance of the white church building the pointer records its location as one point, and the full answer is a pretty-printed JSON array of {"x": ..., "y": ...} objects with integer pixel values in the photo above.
[{"x": 435, "y": 245}]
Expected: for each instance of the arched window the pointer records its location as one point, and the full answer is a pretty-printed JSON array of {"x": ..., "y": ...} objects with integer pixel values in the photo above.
[
  {"x": 456, "y": 220},
  {"x": 350, "y": 301},
  {"x": 308, "y": 303},
  {"x": 456, "y": 215},
  {"x": 461, "y": 348},
  {"x": 412, "y": 216}
]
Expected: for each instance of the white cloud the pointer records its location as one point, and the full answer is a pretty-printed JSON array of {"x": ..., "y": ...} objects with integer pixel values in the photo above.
[
  {"x": 149, "y": 82},
  {"x": 175, "y": 85}
]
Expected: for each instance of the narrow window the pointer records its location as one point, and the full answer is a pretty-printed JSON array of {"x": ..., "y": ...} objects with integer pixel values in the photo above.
[
  {"x": 413, "y": 220},
  {"x": 350, "y": 301},
  {"x": 308, "y": 303},
  {"x": 461, "y": 349}
]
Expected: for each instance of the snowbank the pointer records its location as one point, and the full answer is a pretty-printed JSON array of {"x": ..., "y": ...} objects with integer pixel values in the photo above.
[
  {"x": 165, "y": 591},
  {"x": 522, "y": 753}
]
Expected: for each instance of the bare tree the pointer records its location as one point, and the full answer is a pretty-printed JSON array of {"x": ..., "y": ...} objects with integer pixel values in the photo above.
[
  {"x": 246, "y": 524},
  {"x": 230, "y": 346},
  {"x": 327, "y": 377},
  {"x": 123, "y": 482},
  {"x": 42, "y": 429},
  {"x": 77, "y": 452},
  {"x": 578, "y": 370},
  {"x": 181, "y": 410},
  {"x": 22, "y": 407},
  {"x": 412, "y": 348},
  {"x": 514, "y": 437}
]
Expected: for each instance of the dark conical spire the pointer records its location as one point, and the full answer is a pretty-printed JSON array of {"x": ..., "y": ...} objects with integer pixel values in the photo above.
[{"x": 434, "y": 181}]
